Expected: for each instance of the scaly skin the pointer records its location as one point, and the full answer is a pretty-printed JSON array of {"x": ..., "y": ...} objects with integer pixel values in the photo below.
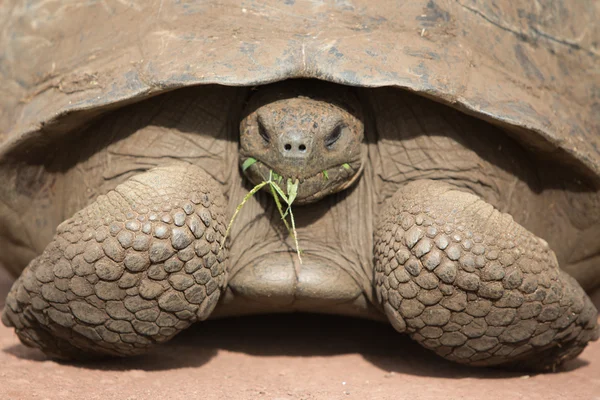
[
  {"x": 309, "y": 132},
  {"x": 469, "y": 283},
  {"x": 129, "y": 271},
  {"x": 457, "y": 275}
]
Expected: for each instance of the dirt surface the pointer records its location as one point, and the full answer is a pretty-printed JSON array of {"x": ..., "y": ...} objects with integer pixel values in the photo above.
[{"x": 283, "y": 357}]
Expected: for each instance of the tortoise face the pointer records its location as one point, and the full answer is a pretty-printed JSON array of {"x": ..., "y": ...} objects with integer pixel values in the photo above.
[{"x": 316, "y": 140}]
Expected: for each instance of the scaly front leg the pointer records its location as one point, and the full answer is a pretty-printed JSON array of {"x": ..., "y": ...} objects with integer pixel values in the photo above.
[
  {"x": 471, "y": 284},
  {"x": 131, "y": 270}
]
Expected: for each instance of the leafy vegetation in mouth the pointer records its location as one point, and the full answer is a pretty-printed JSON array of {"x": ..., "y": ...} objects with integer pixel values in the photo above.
[
  {"x": 273, "y": 181},
  {"x": 248, "y": 163},
  {"x": 292, "y": 191}
]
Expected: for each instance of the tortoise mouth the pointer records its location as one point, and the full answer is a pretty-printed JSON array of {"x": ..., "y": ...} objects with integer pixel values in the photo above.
[{"x": 311, "y": 188}]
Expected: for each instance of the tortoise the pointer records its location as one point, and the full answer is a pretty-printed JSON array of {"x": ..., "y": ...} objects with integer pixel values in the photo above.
[{"x": 433, "y": 145}]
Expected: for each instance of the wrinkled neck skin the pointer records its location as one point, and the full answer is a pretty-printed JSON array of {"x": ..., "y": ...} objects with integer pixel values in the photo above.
[
  {"x": 313, "y": 133},
  {"x": 305, "y": 131}
]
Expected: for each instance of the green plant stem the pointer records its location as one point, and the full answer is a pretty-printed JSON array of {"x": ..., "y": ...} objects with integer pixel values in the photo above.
[
  {"x": 294, "y": 235},
  {"x": 292, "y": 230},
  {"x": 280, "y": 208},
  {"x": 239, "y": 207},
  {"x": 276, "y": 192}
]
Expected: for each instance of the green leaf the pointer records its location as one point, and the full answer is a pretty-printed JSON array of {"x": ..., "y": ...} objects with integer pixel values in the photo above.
[
  {"x": 280, "y": 208},
  {"x": 276, "y": 177},
  {"x": 291, "y": 230},
  {"x": 292, "y": 190},
  {"x": 279, "y": 191},
  {"x": 347, "y": 167},
  {"x": 248, "y": 163},
  {"x": 326, "y": 175}
]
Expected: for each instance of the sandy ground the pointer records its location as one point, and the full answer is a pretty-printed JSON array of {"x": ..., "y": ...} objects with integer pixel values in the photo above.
[{"x": 288, "y": 357}]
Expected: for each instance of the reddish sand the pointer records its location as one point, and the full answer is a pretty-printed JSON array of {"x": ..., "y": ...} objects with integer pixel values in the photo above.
[{"x": 283, "y": 357}]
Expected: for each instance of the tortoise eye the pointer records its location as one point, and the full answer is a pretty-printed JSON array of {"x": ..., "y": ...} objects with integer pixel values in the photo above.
[
  {"x": 334, "y": 136},
  {"x": 262, "y": 131}
]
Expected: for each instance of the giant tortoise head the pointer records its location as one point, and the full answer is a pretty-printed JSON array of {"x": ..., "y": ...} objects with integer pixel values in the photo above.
[
  {"x": 445, "y": 164},
  {"x": 308, "y": 131}
]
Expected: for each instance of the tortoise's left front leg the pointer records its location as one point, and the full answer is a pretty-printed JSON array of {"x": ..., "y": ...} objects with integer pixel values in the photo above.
[
  {"x": 129, "y": 271},
  {"x": 471, "y": 284}
]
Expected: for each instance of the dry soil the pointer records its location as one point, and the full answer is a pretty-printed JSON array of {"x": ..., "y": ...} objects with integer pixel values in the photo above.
[{"x": 288, "y": 357}]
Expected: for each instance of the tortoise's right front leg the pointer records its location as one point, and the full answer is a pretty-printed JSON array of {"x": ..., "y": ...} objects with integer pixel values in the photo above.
[{"x": 129, "y": 271}]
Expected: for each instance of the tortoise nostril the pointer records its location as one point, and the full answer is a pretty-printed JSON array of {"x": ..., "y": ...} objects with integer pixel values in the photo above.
[{"x": 294, "y": 145}]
